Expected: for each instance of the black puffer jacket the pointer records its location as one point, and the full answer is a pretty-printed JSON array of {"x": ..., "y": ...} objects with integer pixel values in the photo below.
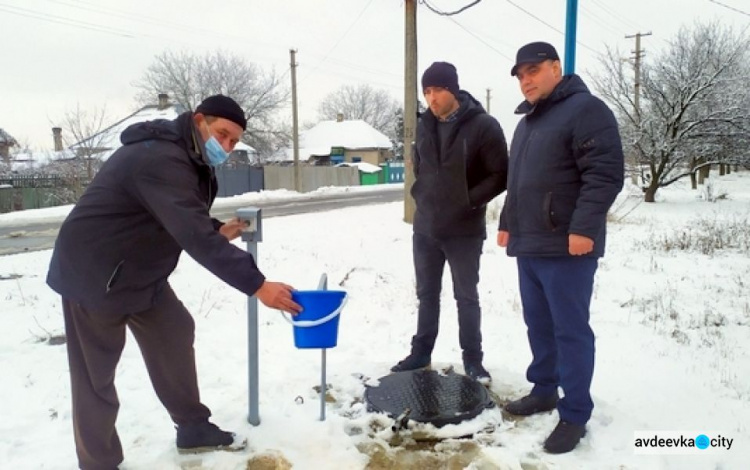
[
  {"x": 456, "y": 178},
  {"x": 148, "y": 202},
  {"x": 566, "y": 168}
]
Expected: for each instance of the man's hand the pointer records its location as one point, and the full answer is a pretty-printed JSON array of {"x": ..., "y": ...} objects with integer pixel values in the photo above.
[
  {"x": 502, "y": 238},
  {"x": 232, "y": 228},
  {"x": 579, "y": 245},
  {"x": 279, "y": 296}
]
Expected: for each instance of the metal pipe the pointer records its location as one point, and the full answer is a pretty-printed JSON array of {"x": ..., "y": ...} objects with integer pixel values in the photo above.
[{"x": 571, "y": 21}]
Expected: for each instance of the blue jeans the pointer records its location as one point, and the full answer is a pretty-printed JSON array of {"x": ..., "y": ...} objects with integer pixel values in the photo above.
[
  {"x": 556, "y": 295},
  {"x": 462, "y": 255}
]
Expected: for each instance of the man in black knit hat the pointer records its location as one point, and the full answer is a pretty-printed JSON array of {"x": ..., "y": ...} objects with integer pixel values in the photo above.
[
  {"x": 460, "y": 164},
  {"x": 111, "y": 263}
]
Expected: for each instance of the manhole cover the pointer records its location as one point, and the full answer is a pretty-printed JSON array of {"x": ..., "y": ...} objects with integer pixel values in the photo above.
[{"x": 428, "y": 396}]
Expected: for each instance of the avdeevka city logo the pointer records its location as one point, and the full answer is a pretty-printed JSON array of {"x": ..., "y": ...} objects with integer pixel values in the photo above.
[
  {"x": 702, "y": 441},
  {"x": 675, "y": 442}
]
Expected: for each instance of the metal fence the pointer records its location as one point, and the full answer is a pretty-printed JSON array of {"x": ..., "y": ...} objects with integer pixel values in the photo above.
[
  {"x": 33, "y": 181},
  {"x": 240, "y": 180}
]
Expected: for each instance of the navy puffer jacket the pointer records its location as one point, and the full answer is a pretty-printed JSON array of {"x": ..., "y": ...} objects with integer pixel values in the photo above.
[
  {"x": 148, "y": 203},
  {"x": 566, "y": 168}
]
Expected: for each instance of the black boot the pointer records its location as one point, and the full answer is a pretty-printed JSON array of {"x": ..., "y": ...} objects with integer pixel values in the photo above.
[
  {"x": 564, "y": 438},
  {"x": 531, "y": 404},
  {"x": 413, "y": 361},
  {"x": 206, "y": 437},
  {"x": 476, "y": 371}
]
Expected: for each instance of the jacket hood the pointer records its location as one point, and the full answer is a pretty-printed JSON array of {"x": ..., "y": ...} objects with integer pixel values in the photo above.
[
  {"x": 159, "y": 129},
  {"x": 469, "y": 107},
  {"x": 568, "y": 86},
  {"x": 180, "y": 131}
]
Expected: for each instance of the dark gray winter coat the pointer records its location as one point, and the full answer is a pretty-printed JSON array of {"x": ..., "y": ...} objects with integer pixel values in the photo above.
[
  {"x": 458, "y": 176},
  {"x": 148, "y": 203},
  {"x": 566, "y": 168}
]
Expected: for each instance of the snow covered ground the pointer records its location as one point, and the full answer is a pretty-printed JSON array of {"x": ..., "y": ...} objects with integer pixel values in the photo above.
[{"x": 672, "y": 330}]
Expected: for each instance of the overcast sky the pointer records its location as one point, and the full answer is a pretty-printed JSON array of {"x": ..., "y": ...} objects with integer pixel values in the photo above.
[{"x": 60, "y": 53}]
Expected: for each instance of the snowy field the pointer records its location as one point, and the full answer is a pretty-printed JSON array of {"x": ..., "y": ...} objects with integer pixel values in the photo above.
[{"x": 671, "y": 314}]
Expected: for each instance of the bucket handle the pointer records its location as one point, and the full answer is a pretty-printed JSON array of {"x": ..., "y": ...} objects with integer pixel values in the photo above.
[{"x": 319, "y": 321}]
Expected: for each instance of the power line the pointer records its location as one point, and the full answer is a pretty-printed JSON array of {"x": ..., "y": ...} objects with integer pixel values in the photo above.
[
  {"x": 339, "y": 40},
  {"x": 451, "y": 13},
  {"x": 600, "y": 21},
  {"x": 480, "y": 39},
  {"x": 536, "y": 17},
  {"x": 737, "y": 10},
  {"x": 63, "y": 20},
  {"x": 616, "y": 15},
  {"x": 550, "y": 26},
  {"x": 161, "y": 22}
]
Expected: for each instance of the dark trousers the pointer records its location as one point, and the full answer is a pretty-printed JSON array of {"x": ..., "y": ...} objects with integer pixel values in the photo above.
[
  {"x": 556, "y": 295},
  {"x": 462, "y": 254},
  {"x": 95, "y": 340}
]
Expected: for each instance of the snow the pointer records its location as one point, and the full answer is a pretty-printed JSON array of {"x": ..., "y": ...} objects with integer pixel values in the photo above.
[
  {"x": 671, "y": 326},
  {"x": 50, "y": 214},
  {"x": 364, "y": 167},
  {"x": 354, "y": 134}
]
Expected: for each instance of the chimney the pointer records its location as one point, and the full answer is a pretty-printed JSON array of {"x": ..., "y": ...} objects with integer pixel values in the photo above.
[
  {"x": 163, "y": 100},
  {"x": 57, "y": 138},
  {"x": 339, "y": 117}
]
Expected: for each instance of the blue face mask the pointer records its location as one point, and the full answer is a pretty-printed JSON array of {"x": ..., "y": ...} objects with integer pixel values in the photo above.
[{"x": 216, "y": 154}]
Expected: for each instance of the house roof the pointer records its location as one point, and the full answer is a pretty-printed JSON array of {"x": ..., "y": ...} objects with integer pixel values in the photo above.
[
  {"x": 27, "y": 160},
  {"x": 6, "y": 139},
  {"x": 351, "y": 135},
  {"x": 364, "y": 167},
  {"x": 109, "y": 138}
]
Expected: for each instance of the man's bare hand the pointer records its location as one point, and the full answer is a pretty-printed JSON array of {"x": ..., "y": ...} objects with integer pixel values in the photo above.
[
  {"x": 232, "y": 228},
  {"x": 279, "y": 296},
  {"x": 579, "y": 245},
  {"x": 502, "y": 238}
]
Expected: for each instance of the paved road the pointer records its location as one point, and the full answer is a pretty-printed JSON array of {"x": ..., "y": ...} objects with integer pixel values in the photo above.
[{"x": 21, "y": 237}]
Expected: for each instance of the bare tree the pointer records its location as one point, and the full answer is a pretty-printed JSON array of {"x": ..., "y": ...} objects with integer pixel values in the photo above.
[
  {"x": 375, "y": 107},
  {"x": 693, "y": 105},
  {"x": 84, "y": 132},
  {"x": 189, "y": 78}
]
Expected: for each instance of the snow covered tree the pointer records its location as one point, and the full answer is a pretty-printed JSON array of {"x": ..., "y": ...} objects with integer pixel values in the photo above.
[
  {"x": 188, "y": 78},
  {"x": 694, "y": 105},
  {"x": 375, "y": 107}
]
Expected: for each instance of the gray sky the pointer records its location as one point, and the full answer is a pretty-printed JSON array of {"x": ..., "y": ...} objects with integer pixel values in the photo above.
[{"x": 60, "y": 53}]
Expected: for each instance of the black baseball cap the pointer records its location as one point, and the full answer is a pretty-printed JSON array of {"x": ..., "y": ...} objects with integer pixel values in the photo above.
[{"x": 533, "y": 53}]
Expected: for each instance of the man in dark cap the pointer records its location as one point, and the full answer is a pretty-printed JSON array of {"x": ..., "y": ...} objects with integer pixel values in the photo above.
[
  {"x": 111, "y": 264},
  {"x": 460, "y": 164},
  {"x": 566, "y": 168}
]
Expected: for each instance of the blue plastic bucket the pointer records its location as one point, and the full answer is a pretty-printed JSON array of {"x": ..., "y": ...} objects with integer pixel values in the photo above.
[{"x": 317, "y": 325}]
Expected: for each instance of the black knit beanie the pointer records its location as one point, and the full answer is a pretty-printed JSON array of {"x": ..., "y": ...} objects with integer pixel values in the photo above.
[
  {"x": 441, "y": 74},
  {"x": 223, "y": 107}
]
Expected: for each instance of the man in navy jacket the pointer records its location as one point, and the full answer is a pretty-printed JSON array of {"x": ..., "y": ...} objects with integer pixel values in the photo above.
[
  {"x": 111, "y": 264},
  {"x": 566, "y": 168},
  {"x": 460, "y": 164}
]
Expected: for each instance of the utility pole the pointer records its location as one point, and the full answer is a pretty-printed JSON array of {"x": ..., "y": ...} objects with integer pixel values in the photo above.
[
  {"x": 488, "y": 100},
  {"x": 637, "y": 66},
  {"x": 295, "y": 129},
  {"x": 410, "y": 103},
  {"x": 637, "y": 99}
]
